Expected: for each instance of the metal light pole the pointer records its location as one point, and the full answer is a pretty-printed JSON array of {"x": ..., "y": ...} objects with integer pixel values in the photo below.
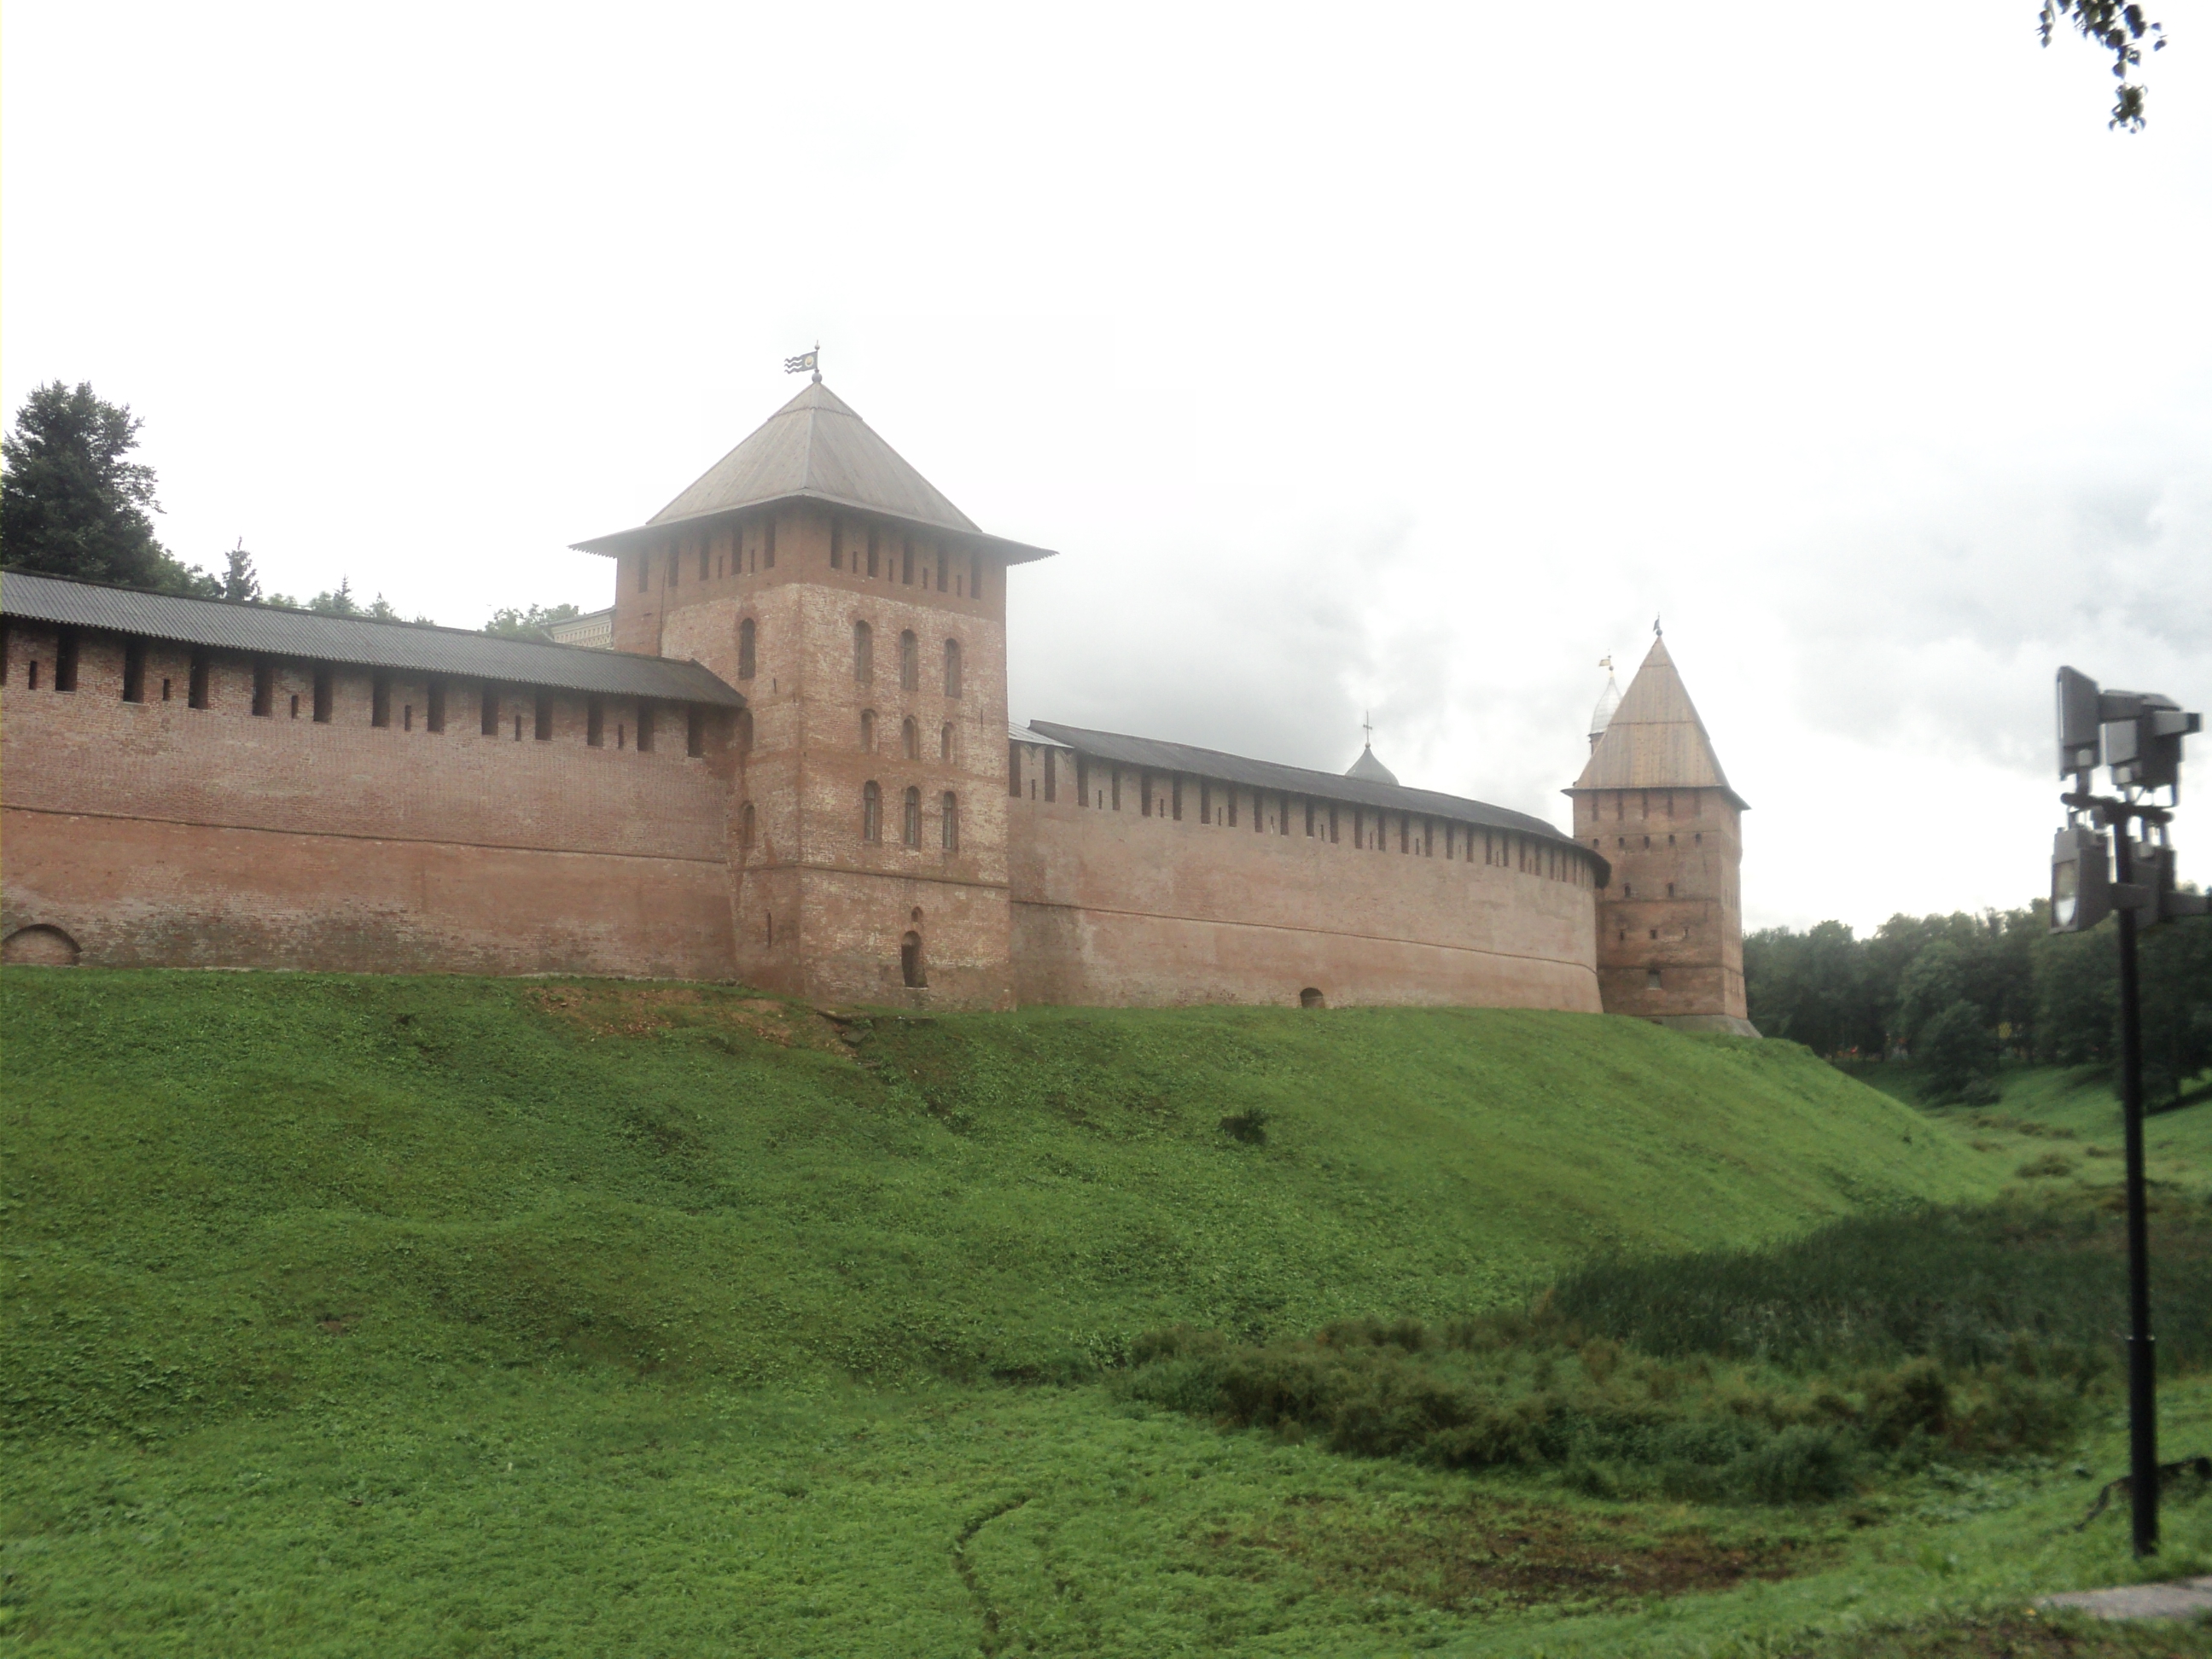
[
  {"x": 2142, "y": 1354},
  {"x": 2138, "y": 736}
]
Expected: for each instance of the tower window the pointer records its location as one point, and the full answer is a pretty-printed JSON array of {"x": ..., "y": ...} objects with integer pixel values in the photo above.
[
  {"x": 873, "y": 568},
  {"x": 906, "y": 562},
  {"x": 1670, "y": 890},
  {"x": 836, "y": 544},
  {"x": 1014, "y": 770},
  {"x": 695, "y": 729},
  {"x": 1651, "y": 979},
  {"x": 744, "y": 731},
  {"x": 864, "y": 652},
  {"x": 488, "y": 725},
  {"x": 134, "y": 670},
  {"x": 867, "y": 731},
  {"x": 910, "y": 965},
  {"x": 434, "y": 713},
  {"x": 1626, "y": 891},
  {"x": 949, "y": 822},
  {"x": 545, "y": 733},
  {"x": 706, "y": 553},
  {"x": 379, "y": 700},
  {"x": 952, "y": 668},
  {"x": 910, "y": 818},
  {"x": 644, "y": 574},
  {"x": 747, "y": 633},
  {"x": 768, "y": 543},
  {"x": 944, "y": 560},
  {"x": 644, "y": 726},
  {"x": 872, "y": 810},
  {"x": 196, "y": 691},
  {"x": 595, "y": 724},
  {"x": 944, "y": 742},
  {"x": 909, "y": 740},
  {"x": 66, "y": 655},
  {"x": 264, "y": 687},
  {"x": 909, "y": 662}
]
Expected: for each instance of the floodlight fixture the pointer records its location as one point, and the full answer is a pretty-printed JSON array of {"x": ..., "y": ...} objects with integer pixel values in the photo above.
[
  {"x": 2080, "y": 879},
  {"x": 2130, "y": 876},
  {"x": 2080, "y": 728}
]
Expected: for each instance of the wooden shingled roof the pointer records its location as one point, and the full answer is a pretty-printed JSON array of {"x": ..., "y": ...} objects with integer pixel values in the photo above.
[
  {"x": 1655, "y": 740},
  {"x": 815, "y": 448}
]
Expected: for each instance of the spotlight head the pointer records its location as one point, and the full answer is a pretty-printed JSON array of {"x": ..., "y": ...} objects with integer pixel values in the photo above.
[
  {"x": 2080, "y": 879},
  {"x": 2079, "y": 723}
]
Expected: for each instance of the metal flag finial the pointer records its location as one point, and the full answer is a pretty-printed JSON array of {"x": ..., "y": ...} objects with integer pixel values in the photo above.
[
  {"x": 1606, "y": 663},
  {"x": 804, "y": 362},
  {"x": 1657, "y": 632},
  {"x": 1367, "y": 726}
]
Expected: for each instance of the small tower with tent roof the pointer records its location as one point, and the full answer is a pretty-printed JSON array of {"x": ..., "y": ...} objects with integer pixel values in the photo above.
[{"x": 1653, "y": 802}]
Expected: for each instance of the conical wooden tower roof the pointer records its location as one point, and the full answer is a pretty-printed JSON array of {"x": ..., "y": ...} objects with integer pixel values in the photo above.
[
  {"x": 1655, "y": 740},
  {"x": 817, "y": 448}
]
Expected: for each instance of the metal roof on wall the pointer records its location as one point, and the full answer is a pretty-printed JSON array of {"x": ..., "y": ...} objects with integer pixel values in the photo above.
[
  {"x": 275, "y": 631},
  {"x": 1150, "y": 754},
  {"x": 817, "y": 448}
]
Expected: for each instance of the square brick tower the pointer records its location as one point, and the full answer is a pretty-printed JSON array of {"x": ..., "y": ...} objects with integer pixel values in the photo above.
[
  {"x": 863, "y": 616},
  {"x": 1654, "y": 801}
]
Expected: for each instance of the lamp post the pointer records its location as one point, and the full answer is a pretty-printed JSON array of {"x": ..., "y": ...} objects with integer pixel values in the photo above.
[{"x": 2137, "y": 735}]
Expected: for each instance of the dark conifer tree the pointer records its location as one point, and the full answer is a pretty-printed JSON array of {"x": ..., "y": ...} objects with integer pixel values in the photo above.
[{"x": 73, "y": 503}]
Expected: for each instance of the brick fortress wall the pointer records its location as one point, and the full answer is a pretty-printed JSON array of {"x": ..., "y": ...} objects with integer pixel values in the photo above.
[
  {"x": 1146, "y": 889},
  {"x": 158, "y": 833}
]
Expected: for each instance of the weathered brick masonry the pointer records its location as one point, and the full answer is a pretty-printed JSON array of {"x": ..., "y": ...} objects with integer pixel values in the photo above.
[
  {"x": 157, "y": 833},
  {"x": 795, "y": 768}
]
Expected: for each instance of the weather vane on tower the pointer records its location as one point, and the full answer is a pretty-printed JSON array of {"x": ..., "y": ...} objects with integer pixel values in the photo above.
[{"x": 804, "y": 362}]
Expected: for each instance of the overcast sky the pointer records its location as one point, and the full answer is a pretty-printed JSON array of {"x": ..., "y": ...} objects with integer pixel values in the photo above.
[{"x": 1401, "y": 358}]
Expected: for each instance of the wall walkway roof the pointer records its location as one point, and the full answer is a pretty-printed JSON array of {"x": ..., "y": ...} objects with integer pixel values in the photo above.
[
  {"x": 276, "y": 631},
  {"x": 1150, "y": 754}
]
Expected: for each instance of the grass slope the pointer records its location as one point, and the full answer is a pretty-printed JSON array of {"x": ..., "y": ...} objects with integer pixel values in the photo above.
[
  {"x": 212, "y": 1178},
  {"x": 447, "y": 1316}
]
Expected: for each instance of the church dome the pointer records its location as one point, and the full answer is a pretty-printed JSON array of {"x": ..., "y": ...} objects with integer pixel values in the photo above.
[
  {"x": 1369, "y": 769},
  {"x": 1608, "y": 700}
]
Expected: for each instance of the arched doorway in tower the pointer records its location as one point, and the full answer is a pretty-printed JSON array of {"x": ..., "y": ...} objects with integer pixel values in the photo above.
[
  {"x": 912, "y": 970},
  {"x": 1312, "y": 998}
]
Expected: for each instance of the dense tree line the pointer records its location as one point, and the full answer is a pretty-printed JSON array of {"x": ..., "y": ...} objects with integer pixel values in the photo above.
[{"x": 1957, "y": 993}]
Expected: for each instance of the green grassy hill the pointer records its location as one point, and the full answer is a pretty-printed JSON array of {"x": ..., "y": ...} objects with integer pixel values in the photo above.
[
  {"x": 214, "y": 1178},
  {"x": 376, "y": 1316}
]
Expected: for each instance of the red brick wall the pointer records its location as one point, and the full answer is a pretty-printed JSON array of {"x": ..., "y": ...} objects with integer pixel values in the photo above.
[
  {"x": 157, "y": 833},
  {"x": 1112, "y": 907}
]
